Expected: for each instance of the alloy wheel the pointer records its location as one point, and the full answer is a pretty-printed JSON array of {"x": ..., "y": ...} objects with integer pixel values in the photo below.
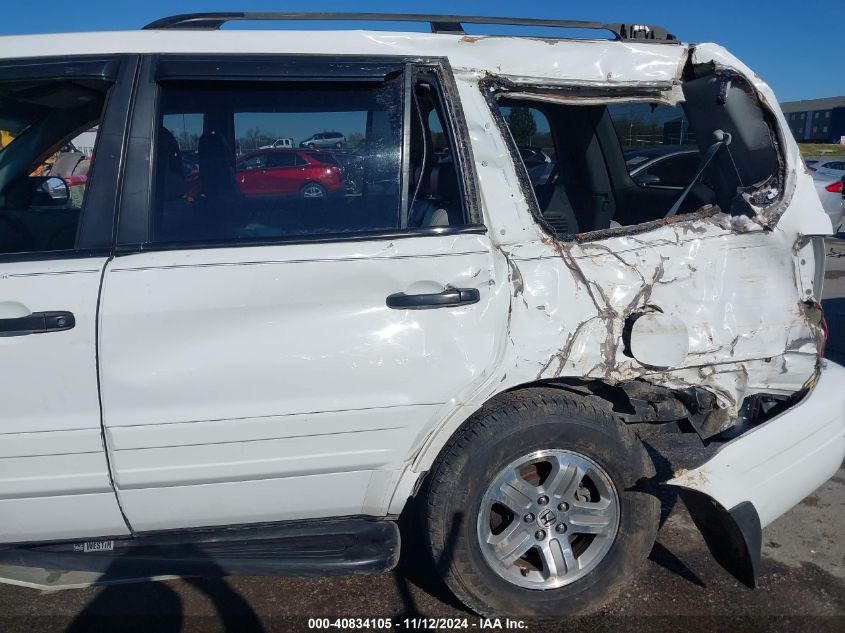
[{"x": 548, "y": 519}]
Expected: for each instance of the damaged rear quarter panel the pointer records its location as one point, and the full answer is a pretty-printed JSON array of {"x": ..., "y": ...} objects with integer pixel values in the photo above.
[
  {"x": 735, "y": 283},
  {"x": 732, "y": 282},
  {"x": 735, "y": 293}
]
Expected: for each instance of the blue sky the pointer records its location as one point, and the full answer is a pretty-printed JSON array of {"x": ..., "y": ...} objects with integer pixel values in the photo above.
[{"x": 796, "y": 46}]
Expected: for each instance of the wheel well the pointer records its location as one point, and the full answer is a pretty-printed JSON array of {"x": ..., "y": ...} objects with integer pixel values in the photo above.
[
  {"x": 631, "y": 402},
  {"x": 636, "y": 402}
]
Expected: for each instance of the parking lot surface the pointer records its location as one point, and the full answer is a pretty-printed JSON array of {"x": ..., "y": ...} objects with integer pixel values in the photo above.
[{"x": 801, "y": 588}]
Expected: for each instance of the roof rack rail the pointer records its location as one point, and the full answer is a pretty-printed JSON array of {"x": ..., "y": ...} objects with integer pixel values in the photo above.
[{"x": 452, "y": 24}]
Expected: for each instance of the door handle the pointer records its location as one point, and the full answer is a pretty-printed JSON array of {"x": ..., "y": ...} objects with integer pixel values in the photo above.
[
  {"x": 38, "y": 323},
  {"x": 447, "y": 299}
]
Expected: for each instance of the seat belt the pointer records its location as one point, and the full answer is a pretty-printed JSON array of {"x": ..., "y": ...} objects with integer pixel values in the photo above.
[{"x": 723, "y": 139}]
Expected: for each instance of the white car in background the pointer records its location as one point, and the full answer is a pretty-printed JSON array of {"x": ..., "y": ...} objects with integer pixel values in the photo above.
[
  {"x": 279, "y": 143},
  {"x": 830, "y": 194},
  {"x": 831, "y": 169}
]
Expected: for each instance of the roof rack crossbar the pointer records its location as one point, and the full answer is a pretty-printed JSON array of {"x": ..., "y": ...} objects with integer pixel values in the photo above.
[{"x": 452, "y": 24}]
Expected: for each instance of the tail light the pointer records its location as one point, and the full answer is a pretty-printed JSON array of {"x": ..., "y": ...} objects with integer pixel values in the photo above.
[
  {"x": 835, "y": 187},
  {"x": 334, "y": 173}
]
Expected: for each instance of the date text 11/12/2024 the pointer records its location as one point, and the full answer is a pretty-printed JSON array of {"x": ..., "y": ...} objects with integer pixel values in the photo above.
[{"x": 444, "y": 624}]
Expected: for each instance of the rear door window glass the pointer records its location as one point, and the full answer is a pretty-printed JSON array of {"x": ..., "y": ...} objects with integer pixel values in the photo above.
[
  {"x": 281, "y": 159},
  {"x": 213, "y": 182}
]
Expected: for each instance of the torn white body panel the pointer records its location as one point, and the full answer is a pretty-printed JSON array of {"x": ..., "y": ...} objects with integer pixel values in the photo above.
[
  {"x": 739, "y": 289},
  {"x": 798, "y": 191},
  {"x": 734, "y": 294},
  {"x": 779, "y": 463}
]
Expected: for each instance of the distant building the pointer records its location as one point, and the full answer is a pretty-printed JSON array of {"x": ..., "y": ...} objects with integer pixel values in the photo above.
[
  {"x": 677, "y": 132},
  {"x": 816, "y": 120}
]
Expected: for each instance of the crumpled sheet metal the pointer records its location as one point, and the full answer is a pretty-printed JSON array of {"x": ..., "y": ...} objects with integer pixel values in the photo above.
[
  {"x": 798, "y": 189},
  {"x": 739, "y": 286},
  {"x": 584, "y": 61},
  {"x": 734, "y": 281},
  {"x": 735, "y": 292}
]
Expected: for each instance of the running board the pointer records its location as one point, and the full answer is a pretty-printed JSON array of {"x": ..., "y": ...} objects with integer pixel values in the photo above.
[{"x": 330, "y": 547}]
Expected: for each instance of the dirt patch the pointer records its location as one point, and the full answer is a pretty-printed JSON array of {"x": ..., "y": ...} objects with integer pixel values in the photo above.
[{"x": 812, "y": 501}]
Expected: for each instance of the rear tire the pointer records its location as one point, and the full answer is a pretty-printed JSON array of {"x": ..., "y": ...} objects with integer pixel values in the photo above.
[
  {"x": 313, "y": 191},
  {"x": 511, "y": 480}
]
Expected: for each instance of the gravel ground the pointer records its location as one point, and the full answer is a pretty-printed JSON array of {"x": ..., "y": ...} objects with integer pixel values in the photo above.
[{"x": 802, "y": 586}]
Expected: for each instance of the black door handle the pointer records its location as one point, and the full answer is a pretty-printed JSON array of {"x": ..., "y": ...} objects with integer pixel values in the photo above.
[
  {"x": 38, "y": 323},
  {"x": 447, "y": 299}
]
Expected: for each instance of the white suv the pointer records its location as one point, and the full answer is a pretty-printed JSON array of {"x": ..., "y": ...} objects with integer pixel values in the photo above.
[{"x": 204, "y": 375}]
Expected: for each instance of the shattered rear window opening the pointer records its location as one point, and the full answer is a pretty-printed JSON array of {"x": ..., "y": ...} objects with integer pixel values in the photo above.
[{"x": 626, "y": 164}]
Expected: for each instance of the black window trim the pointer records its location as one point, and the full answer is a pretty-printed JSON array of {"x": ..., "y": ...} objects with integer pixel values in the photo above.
[
  {"x": 97, "y": 218},
  {"x": 405, "y": 166},
  {"x": 79, "y": 66},
  {"x": 454, "y": 127},
  {"x": 317, "y": 238},
  {"x": 136, "y": 205}
]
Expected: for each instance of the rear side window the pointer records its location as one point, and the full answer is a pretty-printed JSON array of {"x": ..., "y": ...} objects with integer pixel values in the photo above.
[
  {"x": 531, "y": 131},
  {"x": 48, "y": 131},
  {"x": 213, "y": 182},
  {"x": 657, "y": 142},
  {"x": 281, "y": 159},
  {"x": 599, "y": 166}
]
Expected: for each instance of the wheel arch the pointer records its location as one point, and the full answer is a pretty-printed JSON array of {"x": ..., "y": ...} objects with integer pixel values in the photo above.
[
  {"x": 617, "y": 399},
  {"x": 508, "y": 431},
  {"x": 311, "y": 182}
]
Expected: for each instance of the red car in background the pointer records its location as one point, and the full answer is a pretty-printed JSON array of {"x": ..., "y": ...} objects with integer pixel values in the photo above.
[{"x": 277, "y": 172}]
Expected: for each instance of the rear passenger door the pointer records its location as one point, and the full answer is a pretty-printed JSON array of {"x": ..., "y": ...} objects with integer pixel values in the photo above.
[
  {"x": 267, "y": 359},
  {"x": 56, "y": 222},
  {"x": 252, "y": 174}
]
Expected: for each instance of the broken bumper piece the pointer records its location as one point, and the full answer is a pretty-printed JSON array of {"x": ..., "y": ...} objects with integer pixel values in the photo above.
[{"x": 757, "y": 477}]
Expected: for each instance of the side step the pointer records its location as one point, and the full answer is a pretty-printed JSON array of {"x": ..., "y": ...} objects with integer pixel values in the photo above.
[{"x": 330, "y": 547}]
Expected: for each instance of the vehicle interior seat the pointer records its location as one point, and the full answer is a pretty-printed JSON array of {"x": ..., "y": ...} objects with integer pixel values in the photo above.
[
  {"x": 216, "y": 166},
  {"x": 169, "y": 171},
  {"x": 438, "y": 203},
  {"x": 224, "y": 209},
  {"x": 555, "y": 205},
  {"x": 66, "y": 164},
  {"x": 173, "y": 210}
]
